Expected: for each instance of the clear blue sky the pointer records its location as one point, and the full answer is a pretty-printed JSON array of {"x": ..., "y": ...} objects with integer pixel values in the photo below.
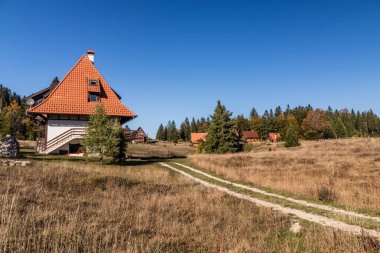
[{"x": 172, "y": 59}]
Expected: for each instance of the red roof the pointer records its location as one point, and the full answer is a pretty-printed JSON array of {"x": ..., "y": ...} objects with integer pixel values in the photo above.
[
  {"x": 196, "y": 137},
  {"x": 251, "y": 134},
  {"x": 70, "y": 96}
]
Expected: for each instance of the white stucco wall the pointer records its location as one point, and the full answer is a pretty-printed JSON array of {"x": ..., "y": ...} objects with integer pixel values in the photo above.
[{"x": 57, "y": 127}]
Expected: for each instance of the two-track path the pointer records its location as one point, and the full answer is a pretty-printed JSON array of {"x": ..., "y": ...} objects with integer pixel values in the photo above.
[{"x": 308, "y": 216}]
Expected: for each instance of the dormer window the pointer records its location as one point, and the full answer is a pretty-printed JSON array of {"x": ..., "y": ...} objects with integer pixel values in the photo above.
[
  {"x": 92, "y": 97},
  {"x": 93, "y": 83}
]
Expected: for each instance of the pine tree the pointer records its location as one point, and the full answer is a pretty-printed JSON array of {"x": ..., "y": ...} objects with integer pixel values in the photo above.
[
  {"x": 265, "y": 125},
  {"x": 287, "y": 111},
  {"x": 373, "y": 123},
  {"x": 172, "y": 133},
  {"x": 160, "y": 133},
  {"x": 182, "y": 131},
  {"x": 346, "y": 119},
  {"x": 221, "y": 137},
  {"x": 54, "y": 83},
  {"x": 193, "y": 126},
  {"x": 119, "y": 154},
  {"x": 253, "y": 113},
  {"x": 202, "y": 125},
  {"x": 291, "y": 137},
  {"x": 166, "y": 133},
  {"x": 100, "y": 138},
  {"x": 187, "y": 129},
  {"x": 340, "y": 129},
  {"x": 169, "y": 131},
  {"x": 278, "y": 111}
]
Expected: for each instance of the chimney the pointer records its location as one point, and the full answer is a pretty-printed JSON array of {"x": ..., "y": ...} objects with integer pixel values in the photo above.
[{"x": 91, "y": 55}]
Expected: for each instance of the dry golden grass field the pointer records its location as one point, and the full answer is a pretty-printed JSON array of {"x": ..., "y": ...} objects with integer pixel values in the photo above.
[
  {"x": 77, "y": 207},
  {"x": 160, "y": 150},
  {"x": 346, "y": 172}
]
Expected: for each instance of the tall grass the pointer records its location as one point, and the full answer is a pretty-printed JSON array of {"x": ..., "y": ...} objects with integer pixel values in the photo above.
[
  {"x": 73, "y": 207},
  {"x": 348, "y": 168}
]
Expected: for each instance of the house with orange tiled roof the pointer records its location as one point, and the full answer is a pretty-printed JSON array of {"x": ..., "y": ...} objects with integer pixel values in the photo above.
[
  {"x": 197, "y": 137},
  {"x": 64, "y": 110}
]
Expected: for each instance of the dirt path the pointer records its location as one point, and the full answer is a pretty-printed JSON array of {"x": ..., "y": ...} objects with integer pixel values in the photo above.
[
  {"x": 297, "y": 201},
  {"x": 324, "y": 221}
]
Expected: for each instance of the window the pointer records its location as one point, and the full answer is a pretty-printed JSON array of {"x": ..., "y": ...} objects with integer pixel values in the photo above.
[
  {"x": 93, "y": 82},
  {"x": 93, "y": 97}
]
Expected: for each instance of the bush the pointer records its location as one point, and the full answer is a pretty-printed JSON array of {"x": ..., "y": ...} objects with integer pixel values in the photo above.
[
  {"x": 248, "y": 147},
  {"x": 326, "y": 194},
  {"x": 201, "y": 147},
  {"x": 291, "y": 138}
]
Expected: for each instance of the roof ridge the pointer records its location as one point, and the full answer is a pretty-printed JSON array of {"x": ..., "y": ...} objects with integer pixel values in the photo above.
[{"x": 70, "y": 95}]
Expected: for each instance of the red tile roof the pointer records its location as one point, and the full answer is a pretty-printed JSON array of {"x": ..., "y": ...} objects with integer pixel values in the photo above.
[
  {"x": 196, "y": 137},
  {"x": 70, "y": 96},
  {"x": 251, "y": 134}
]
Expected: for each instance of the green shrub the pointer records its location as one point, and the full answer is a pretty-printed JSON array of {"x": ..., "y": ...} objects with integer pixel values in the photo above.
[{"x": 248, "y": 147}]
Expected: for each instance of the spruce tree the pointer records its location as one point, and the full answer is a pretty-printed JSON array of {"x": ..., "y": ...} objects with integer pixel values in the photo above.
[
  {"x": 193, "y": 126},
  {"x": 54, "y": 83},
  {"x": 187, "y": 129},
  {"x": 291, "y": 137},
  {"x": 100, "y": 138},
  {"x": 340, "y": 129},
  {"x": 278, "y": 111},
  {"x": 346, "y": 119},
  {"x": 118, "y": 135},
  {"x": 182, "y": 131},
  {"x": 253, "y": 113},
  {"x": 221, "y": 135},
  {"x": 160, "y": 133}
]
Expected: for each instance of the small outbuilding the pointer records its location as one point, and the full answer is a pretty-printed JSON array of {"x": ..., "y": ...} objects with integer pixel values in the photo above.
[
  {"x": 198, "y": 137},
  {"x": 250, "y": 136},
  {"x": 274, "y": 137},
  {"x": 136, "y": 136}
]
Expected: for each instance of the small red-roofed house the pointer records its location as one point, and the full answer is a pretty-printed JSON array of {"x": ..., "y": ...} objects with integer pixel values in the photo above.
[
  {"x": 64, "y": 110},
  {"x": 197, "y": 137},
  {"x": 250, "y": 136}
]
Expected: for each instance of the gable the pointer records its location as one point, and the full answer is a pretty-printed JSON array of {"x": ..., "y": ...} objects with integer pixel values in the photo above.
[{"x": 71, "y": 95}]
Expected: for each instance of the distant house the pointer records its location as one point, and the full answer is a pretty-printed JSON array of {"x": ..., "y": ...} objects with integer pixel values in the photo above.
[
  {"x": 250, "y": 136},
  {"x": 64, "y": 110},
  {"x": 197, "y": 137},
  {"x": 136, "y": 136},
  {"x": 274, "y": 136}
]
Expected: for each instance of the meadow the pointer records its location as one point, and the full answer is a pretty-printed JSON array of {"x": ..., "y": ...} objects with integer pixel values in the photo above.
[
  {"x": 84, "y": 207},
  {"x": 346, "y": 171}
]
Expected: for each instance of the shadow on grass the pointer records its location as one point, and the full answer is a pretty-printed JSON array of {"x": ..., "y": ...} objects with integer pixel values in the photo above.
[{"x": 30, "y": 154}]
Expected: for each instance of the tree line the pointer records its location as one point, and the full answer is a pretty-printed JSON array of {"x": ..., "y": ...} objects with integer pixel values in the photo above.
[
  {"x": 309, "y": 123},
  {"x": 170, "y": 132},
  {"x": 13, "y": 117}
]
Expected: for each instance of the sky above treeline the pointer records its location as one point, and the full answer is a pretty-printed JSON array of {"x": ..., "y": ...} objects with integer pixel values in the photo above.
[{"x": 172, "y": 59}]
